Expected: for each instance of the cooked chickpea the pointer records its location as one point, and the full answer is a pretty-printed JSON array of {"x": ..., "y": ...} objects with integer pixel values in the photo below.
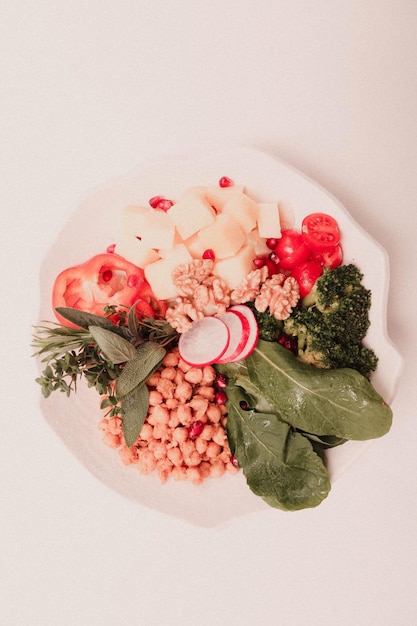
[
  {"x": 180, "y": 434},
  {"x": 184, "y": 414},
  {"x": 183, "y": 392},
  {"x": 153, "y": 379},
  {"x": 170, "y": 359},
  {"x": 217, "y": 469},
  {"x": 209, "y": 375},
  {"x": 160, "y": 414},
  {"x": 166, "y": 387},
  {"x": 147, "y": 432},
  {"x": 207, "y": 392},
  {"x": 214, "y": 413},
  {"x": 168, "y": 373},
  {"x": 175, "y": 456},
  {"x": 213, "y": 450},
  {"x": 193, "y": 375},
  {"x": 155, "y": 397}
]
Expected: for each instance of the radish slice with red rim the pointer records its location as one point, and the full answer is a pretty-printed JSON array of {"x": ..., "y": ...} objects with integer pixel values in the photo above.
[
  {"x": 253, "y": 335},
  {"x": 239, "y": 330},
  {"x": 205, "y": 342}
]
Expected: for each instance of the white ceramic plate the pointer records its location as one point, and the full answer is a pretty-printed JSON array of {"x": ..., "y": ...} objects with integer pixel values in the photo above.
[{"x": 92, "y": 227}]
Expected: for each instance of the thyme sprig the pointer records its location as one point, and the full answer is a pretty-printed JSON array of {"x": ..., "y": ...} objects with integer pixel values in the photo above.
[{"x": 115, "y": 359}]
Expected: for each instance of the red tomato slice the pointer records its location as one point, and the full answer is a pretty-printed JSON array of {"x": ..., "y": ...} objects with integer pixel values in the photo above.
[
  {"x": 320, "y": 232},
  {"x": 306, "y": 276},
  {"x": 328, "y": 258},
  {"x": 291, "y": 250},
  {"x": 104, "y": 280}
]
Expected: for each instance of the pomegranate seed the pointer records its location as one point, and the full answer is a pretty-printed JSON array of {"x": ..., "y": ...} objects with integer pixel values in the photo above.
[
  {"x": 272, "y": 243},
  {"x": 274, "y": 258},
  {"x": 164, "y": 205},
  {"x": 234, "y": 461},
  {"x": 195, "y": 429},
  {"x": 221, "y": 381},
  {"x": 290, "y": 343},
  {"x": 225, "y": 181},
  {"x": 111, "y": 248},
  {"x": 258, "y": 262},
  {"x": 107, "y": 275},
  {"x": 155, "y": 201},
  {"x": 220, "y": 397},
  {"x": 244, "y": 405},
  {"x": 132, "y": 280},
  {"x": 209, "y": 254}
]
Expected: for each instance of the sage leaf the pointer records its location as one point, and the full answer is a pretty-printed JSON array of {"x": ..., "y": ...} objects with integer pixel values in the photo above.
[
  {"x": 116, "y": 349},
  {"x": 148, "y": 357},
  {"x": 135, "y": 409},
  {"x": 279, "y": 464},
  {"x": 85, "y": 319},
  {"x": 335, "y": 402}
]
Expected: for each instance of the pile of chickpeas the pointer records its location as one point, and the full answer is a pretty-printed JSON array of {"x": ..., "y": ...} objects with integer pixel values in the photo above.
[{"x": 184, "y": 433}]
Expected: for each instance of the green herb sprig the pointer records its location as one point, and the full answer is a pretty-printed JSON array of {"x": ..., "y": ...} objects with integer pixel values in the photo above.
[{"x": 115, "y": 359}]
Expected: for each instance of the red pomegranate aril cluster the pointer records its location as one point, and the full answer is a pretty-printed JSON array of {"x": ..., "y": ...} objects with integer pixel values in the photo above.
[
  {"x": 225, "y": 181},
  {"x": 195, "y": 429},
  {"x": 159, "y": 202},
  {"x": 209, "y": 254},
  {"x": 107, "y": 275}
]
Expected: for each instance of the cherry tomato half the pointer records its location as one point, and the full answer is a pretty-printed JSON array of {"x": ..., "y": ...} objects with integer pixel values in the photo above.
[
  {"x": 306, "y": 276},
  {"x": 291, "y": 250},
  {"x": 328, "y": 258},
  {"x": 320, "y": 231}
]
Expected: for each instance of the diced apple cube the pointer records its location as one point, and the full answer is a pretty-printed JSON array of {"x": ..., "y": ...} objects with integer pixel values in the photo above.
[
  {"x": 286, "y": 216},
  {"x": 195, "y": 246},
  {"x": 268, "y": 220},
  {"x": 153, "y": 226},
  {"x": 243, "y": 209},
  {"x": 191, "y": 212},
  {"x": 159, "y": 273},
  {"x": 234, "y": 269},
  {"x": 218, "y": 196},
  {"x": 258, "y": 243},
  {"x": 224, "y": 236},
  {"x": 135, "y": 251}
]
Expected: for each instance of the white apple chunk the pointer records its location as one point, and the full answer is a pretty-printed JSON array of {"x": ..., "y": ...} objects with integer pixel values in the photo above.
[
  {"x": 159, "y": 273},
  {"x": 152, "y": 226},
  {"x": 269, "y": 224},
  {"x": 235, "y": 268},
  {"x": 191, "y": 212},
  {"x": 218, "y": 196},
  {"x": 243, "y": 209},
  {"x": 135, "y": 251},
  {"x": 224, "y": 236},
  {"x": 286, "y": 216}
]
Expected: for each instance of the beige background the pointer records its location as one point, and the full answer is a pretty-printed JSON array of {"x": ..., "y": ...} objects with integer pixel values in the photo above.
[{"x": 88, "y": 91}]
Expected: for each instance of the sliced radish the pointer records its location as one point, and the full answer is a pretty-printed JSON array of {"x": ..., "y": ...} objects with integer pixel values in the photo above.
[
  {"x": 253, "y": 335},
  {"x": 239, "y": 329},
  {"x": 205, "y": 342}
]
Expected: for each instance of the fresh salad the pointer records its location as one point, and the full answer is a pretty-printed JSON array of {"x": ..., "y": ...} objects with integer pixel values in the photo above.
[{"x": 221, "y": 336}]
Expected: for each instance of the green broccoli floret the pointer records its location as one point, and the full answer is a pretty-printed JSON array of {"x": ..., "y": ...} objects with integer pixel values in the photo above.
[
  {"x": 331, "y": 329},
  {"x": 269, "y": 327}
]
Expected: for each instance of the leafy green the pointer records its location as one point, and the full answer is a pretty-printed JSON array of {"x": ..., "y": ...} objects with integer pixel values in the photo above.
[
  {"x": 138, "y": 369},
  {"x": 115, "y": 348},
  {"x": 134, "y": 411},
  {"x": 279, "y": 464},
  {"x": 340, "y": 403}
]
